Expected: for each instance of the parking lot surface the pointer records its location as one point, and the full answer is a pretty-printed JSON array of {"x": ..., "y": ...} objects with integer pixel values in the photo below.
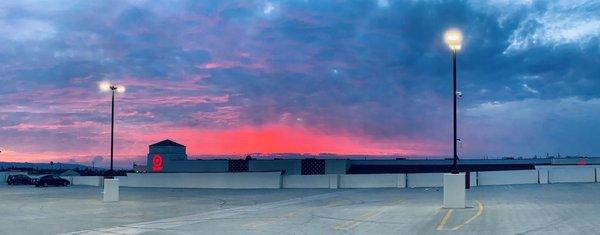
[{"x": 511, "y": 209}]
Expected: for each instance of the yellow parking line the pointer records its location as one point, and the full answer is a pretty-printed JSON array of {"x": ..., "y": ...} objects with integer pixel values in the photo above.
[
  {"x": 479, "y": 212},
  {"x": 364, "y": 217},
  {"x": 443, "y": 221},
  {"x": 353, "y": 223},
  {"x": 449, "y": 213}
]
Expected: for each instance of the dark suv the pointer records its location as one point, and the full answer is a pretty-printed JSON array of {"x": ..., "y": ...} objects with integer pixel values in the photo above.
[
  {"x": 18, "y": 179},
  {"x": 55, "y": 180}
]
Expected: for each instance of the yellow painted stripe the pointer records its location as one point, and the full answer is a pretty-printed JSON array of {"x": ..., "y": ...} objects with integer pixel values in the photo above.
[
  {"x": 352, "y": 224},
  {"x": 479, "y": 212},
  {"x": 444, "y": 219}
]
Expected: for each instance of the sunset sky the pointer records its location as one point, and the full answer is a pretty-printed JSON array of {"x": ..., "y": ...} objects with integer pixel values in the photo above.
[{"x": 306, "y": 76}]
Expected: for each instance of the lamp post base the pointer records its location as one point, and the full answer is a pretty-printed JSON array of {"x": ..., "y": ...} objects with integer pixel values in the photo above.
[
  {"x": 111, "y": 190},
  {"x": 454, "y": 191}
]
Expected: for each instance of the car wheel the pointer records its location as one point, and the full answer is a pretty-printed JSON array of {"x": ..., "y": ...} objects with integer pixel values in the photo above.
[
  {"x": 65, "y": 184},
  {"x": 45, "y": 184}
]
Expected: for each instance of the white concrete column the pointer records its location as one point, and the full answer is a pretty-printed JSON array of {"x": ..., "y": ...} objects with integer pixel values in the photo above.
[
  {"x": 334, "y": 181},
  {"x": 111, "y": 190},
  {"x": 401, "y": 181},
  {"x": 543, "y": 176},
  {"x": 454, "y": 190}
]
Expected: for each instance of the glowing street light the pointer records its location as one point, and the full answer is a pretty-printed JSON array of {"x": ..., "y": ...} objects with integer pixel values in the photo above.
[
  {"x": 106, "y": 86},
  {"x": 453, "y": 38}
]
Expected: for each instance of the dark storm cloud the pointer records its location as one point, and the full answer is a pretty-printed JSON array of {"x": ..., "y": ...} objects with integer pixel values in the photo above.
[{"x": 374, "y": 69}]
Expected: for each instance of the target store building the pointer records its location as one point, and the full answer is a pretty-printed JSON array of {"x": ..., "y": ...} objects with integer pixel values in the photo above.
[{"x": 170, "y": 156}]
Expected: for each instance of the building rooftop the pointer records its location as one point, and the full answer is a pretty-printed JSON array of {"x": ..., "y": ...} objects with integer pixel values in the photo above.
[{"x": 167, "y": 142}]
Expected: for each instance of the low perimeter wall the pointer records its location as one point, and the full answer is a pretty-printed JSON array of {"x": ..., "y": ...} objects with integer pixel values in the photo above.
[
  {"x": 86, "y": 180},
  {"x": 309, "y": 181},
  {"x": 373, "y": 181},
  {"x": 425, "y": 180},
  {"x": 244, "y": 180},
  {"x": 572, "y": 175},
  {"x": 545, "y": 175},
  {"x": 507, "y": 177}
]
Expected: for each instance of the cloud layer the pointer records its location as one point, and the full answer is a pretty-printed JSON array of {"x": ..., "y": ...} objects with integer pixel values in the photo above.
[{"x": 357, "y": 77}]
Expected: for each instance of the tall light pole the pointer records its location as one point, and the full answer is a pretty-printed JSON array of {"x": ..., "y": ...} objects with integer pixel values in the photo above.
[
  {"x": 106, "y": 86},
  {"x": 453, "y": 38}
]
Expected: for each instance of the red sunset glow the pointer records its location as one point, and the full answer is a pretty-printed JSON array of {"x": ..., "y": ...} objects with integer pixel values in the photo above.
[{"x": 269, "y": 139}]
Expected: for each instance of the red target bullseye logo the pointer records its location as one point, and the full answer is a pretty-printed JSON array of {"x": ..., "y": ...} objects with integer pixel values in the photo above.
[{"x": 157, "y": 162}]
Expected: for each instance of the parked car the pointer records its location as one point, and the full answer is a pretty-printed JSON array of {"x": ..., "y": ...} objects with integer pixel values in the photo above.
[
  {"x": 18, "y": 179},
  {"x": 55, "y": 180}
]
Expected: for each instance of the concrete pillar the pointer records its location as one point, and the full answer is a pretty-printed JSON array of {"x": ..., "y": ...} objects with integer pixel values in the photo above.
[
  {"x": 111, "y": 190},
  {"x": 334, "y": 181},
  {"x": 401, "y": 181},
  {"x": 454, "y": 190},
  {"x": 543, "y": 176},
  {"x": 473, "y": 179}
]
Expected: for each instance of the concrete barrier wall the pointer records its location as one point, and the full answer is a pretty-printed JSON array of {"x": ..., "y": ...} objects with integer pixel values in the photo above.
[
  {"x": 245, "y": 180},
  {"x": 508, "y": 177},
  {"x": 562, "y": 174},
  {"x": 571, "y": 175},
  {"x": 309, "y": 181},
  {"x": 426, "y": 180},
  {"x": 598, "y": 175},
  {"x": 334, "y": 181},
  {"x": 543, "y": 176},
  {"x": 372, "y": 181},
  {"x": 473, "y": 178},
  {"x": 86, "y": 180}
]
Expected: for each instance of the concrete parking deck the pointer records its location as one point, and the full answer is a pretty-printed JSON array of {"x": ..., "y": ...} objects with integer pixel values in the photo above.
[{"x": 535, "y": 209}]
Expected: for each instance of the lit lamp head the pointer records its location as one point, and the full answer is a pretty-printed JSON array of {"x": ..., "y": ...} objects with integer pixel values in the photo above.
[
  {"x": 453, "y": 38},
  {"x": 106, "y": 86}
]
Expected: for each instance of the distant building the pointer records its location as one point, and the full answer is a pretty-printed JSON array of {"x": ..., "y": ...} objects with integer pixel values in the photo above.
[
  {"x": 70, "y": 173},
  {"x": 162, "y": 154},
  {"x": 170, "y": 156},
  {"x": 139, "y": 168}
]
